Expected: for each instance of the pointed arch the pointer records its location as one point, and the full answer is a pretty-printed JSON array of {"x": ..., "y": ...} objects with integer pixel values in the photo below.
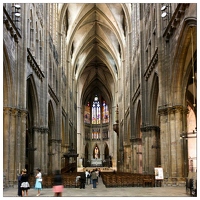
[
  {"x": 86, "y": 152},
  {"x": 51, "y": 135},
  {"x": 154, "y": 101},
  {"x": 96, "y": 151},
  {"x": 51, "y": 118},
  {"x": 138, "y": 121},
  {"x": 32, "y": 120},
  {"x": 182, "y": 59},
  {"x": 32, "y": 100},
  {"x": 106, "y": 151}
]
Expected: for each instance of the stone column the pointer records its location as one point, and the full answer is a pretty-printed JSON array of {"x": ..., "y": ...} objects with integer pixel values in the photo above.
[
  {"x": 23, "y": 115},
  {"x": 172, "y": 162},
  {"x": 18, "y": 149},
  {"x": 44, "y": 150},
  {"x": 14, "y": 143},
  {"x": 12, "y": 156},
  {"x": 145, "y": 151},
  {"x": 37, "y": 145},
  {"x": 80, "y": 131},
  {"x": 150, "y": 148},
  {"x": 176, "y": 162},
  {"x": 154, "y": 148},
  {"x": 59, "y": 154},
  {"x": 164, "y": 141},
  {"x": 135, "y": 156},
  {"x": 6, "y": 142}
]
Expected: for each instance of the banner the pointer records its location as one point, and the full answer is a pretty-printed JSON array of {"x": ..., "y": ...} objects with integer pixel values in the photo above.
[{"x": 158, "y": 173}]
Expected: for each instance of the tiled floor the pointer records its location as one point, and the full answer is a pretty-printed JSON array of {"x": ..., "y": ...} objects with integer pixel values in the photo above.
[{"x": 102, "y": 191}]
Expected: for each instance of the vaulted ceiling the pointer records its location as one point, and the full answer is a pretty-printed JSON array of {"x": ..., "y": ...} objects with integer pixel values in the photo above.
[{"x": 96, "y": 38}]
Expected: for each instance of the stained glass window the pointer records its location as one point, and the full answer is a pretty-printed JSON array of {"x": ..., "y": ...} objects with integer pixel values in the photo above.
[
  {"x": 96, "y": 133},
  {"x": 87, "y": 114},
  {"x": 96, "y": 111},
  {"x": 105, "y": 113}
]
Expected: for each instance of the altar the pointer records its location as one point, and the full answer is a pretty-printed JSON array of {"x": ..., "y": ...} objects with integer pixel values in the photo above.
[{"x": 96, "y": 162}]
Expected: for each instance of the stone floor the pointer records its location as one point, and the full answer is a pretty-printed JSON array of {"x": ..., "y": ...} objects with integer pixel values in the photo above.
[{"x": 102, "y": 191}]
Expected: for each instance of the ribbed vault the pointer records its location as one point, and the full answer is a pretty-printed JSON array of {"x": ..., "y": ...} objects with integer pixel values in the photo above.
[{"x": 95, "y": 40}]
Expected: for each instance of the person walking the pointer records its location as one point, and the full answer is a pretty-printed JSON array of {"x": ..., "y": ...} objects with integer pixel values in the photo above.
[
  {"x": 25, "y": 186},
  {"x": 97, "y": 172},
  {"x": 77, "y": 181},
  {"x": 82, "y": 180},
  {"x": 38, "y": 182},
  {"x": 58, "y": 184},
  {"x": 19, "y": 185},
  {"x": 94, "y": 178},
  {"x": 87, "y": 175},
  {"x": 90, "y": 172}
]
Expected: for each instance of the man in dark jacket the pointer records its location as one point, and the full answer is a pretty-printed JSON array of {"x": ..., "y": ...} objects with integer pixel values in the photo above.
[
  {"x": 82, "y": 180},
  {"x": 19, "y": 185}
]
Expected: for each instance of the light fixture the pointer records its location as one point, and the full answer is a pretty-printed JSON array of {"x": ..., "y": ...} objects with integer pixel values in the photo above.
[
  {"x": 17, "y": 6},
  {"x": 17, "y": 14},
  {"x": 163, "y": 8},
  {"x": 164, "y": 11},
  {"x": 164, "y": 14}
]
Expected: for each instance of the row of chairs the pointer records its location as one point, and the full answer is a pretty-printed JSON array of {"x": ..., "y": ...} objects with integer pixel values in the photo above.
[
  {"x": 127, "y": 180},
  {"x": 69, "y": 180}
]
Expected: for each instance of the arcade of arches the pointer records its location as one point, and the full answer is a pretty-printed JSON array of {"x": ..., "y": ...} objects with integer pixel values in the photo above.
[{"x": 100, "y": 84}]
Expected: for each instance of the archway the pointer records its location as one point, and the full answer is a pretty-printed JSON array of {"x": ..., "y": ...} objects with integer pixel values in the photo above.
[
  {"x": 51, "y": 121},
  {"x": 96, "y": 152},
  {"x": 32, "y": 107}
]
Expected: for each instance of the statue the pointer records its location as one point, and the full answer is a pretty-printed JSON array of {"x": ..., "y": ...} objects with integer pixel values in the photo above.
[{"x": 96, "y": 151}]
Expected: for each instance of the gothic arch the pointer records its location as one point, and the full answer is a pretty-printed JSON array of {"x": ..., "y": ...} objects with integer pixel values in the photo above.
[
  {"x": 96, "y": 151},
  {"x": 138, "y": 121},
  {"x": 32, "y": 100},
  {"x": 63, "y": 128},
  {"x": 138, "y": 141},
  {"x": 182, "y": 60},
  {"x": 106, "y": 151},
  {"x": 51, "y": 119},
  {"x": 51, "y": 135},
  {"x": 86, "y": 152},
  {"x": 32, "y": 121},
  {"x": 154, "y": 101}
]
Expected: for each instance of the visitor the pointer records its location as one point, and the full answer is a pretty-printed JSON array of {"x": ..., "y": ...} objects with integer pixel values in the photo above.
[
  {"x": 94, "y": 178},
  {"x": 24, "y": 183},
  {"x": 58, "y": 184},
  {"x": 19, "y": 185},
  {"x": 38, "y": 183},
  {"x": 87, "y": 175},
  {"x": 82, "y": 180}
]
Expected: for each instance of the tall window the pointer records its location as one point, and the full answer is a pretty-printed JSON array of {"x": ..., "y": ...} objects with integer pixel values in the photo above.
[
  {"x": 96, "y": 111},
  {"x": 96, "y": 133},
  {"x": 105, "y": 113},
  {"x": 87, "y": 114}
]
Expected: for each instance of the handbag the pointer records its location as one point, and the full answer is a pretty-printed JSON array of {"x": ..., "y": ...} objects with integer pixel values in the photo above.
[{"x": 40, "y": 179}]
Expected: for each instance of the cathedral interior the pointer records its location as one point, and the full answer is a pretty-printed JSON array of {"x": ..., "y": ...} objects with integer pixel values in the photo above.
[{"x": 110, "y": 85}]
